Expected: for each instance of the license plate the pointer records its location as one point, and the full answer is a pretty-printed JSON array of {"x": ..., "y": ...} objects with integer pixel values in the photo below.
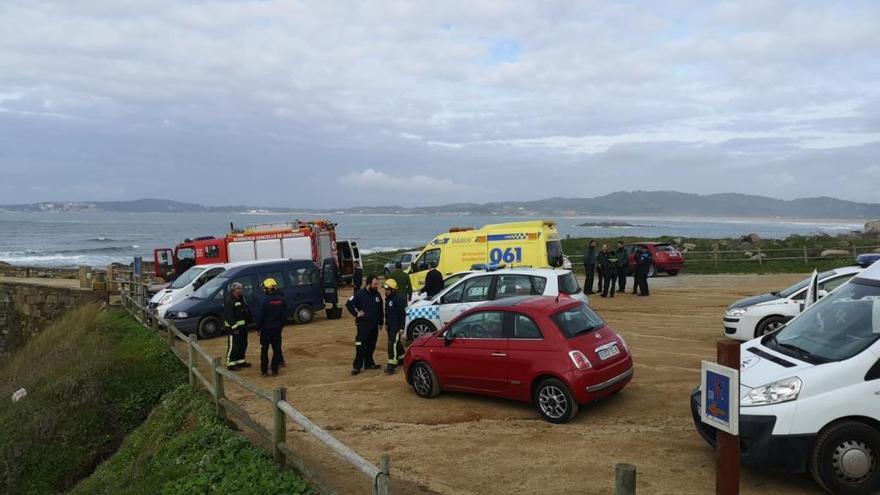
[{"x": 608, "y": 352}]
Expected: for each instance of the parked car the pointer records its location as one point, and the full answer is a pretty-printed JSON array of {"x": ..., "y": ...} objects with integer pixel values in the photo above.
[
  {"x": 447, "y": 282},
  {"x": 664, "y": 258},
  {"x": 298, "y": 280},
  {"x": 400, "y": 262},
  {"x": 554, "y": 353},
  {"x": 427, "y": 315},
  {"x": 810, "y": 392},
  {"x": 759, "y": 315},
  {"x": 182, "y": 287}
]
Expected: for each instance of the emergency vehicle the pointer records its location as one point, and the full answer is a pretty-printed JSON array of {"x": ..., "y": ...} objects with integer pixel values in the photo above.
[
  {"x": 311, "y": 240},
  {"x": 532, "y": 243}
]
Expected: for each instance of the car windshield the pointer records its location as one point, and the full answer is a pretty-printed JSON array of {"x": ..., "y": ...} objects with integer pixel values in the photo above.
[
  {"x": 568, "y": 284},
  {"x": 577, "y": 320},
  {"x": 838, "y": 327},
  {"x": 186, "y": 277},
  {"x": 210, "y": 288},
  {"x": 800, "y": 285}
]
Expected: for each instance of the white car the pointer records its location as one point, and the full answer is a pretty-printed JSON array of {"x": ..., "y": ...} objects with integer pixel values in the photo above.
[
  {"x": 426, "y": 316},
  {"x": 448, "y": 282},
  {"x": 810, "y": 392},
  {"x": 759, "y": 315},
  {"x": 183, "y": 287},
  {"x": 400, "y": 262}
]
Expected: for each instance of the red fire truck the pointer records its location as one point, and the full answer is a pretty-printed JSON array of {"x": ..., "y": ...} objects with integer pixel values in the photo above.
[{"x": 314, "y": 240}]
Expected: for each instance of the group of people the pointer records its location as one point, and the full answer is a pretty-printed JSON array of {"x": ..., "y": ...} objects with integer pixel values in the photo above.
[
  {"x": 371, "y": 313},
  {"x": 610, "y": 268},
  {"x": 238, "y": 320}
]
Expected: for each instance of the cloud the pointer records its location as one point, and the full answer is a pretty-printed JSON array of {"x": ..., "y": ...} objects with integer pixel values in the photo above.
[{"x": 372, "y": 179}]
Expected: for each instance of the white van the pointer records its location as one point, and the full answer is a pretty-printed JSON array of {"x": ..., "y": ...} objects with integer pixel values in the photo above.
[
  {"x": 183, "y": 287},
  {"x": 810, "y": 391}
]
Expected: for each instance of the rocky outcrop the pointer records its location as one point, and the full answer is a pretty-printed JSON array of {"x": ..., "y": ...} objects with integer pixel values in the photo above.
[
  {"x": 872, "y": 227},
  {"x": 828, "y": 253}
]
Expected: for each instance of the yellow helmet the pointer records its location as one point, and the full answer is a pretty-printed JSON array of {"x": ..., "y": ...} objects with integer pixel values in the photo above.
[
  {"x": 391, "y": 284},
  {"x": 270, "y": 283}
]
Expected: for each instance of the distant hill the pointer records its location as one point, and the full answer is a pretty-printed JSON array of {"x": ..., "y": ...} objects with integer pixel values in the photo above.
[{"x": 659, "y": 203}]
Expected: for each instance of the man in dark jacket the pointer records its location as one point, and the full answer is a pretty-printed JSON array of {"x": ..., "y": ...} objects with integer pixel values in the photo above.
[
  {"x": 395, "y": 316},
  {"x": 433, "y": 282},
  {"x": 404, "y": 286},
  {"x": 608, "y": 260},
  {"x": 237, "y": 318},
  {"x": 622, "y": 266},
  {"x": 272, "y": 319},
  {"x": 590, "y": 259},
  {"x": 366, "y": 307},
  {"x": 643, "y": 266}
]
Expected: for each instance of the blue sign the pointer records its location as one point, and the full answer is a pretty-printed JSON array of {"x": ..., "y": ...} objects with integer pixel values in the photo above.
[
  {"x": 719, "y": 397},
  {"x": 138, "y": 267}
]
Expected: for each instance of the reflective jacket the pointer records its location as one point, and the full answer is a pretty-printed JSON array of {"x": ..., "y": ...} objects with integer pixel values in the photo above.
[{"x": 236, "y": 313}]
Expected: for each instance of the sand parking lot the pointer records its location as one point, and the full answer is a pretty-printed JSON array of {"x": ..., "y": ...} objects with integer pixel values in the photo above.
[{"x": 466, "y": 444}]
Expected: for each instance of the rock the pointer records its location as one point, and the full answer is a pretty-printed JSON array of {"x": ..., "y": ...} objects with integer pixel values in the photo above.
[
  {"x": 723, "y": 243},
  {"x": 843, "y": 244},
  {"x": 758, "y": 256},
  {"x": 752, "y": 238},
  {"x": 19, "y": 394},
  {"x": 872, "y": 227},
  {"x": 834, "y": 252},
  {"x": 853, "y": 236},
  {"x": 689, "y": 245},
  {"x": 677, "y": 240},
  {"x": 748, "y": 254}
]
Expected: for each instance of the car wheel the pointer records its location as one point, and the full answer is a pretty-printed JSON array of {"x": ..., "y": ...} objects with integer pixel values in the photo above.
[
  {"x": 424, "y": 381},
  {"x": 554, "y": 401},
  {"x": 846, "y": 458},
  {"x": 418, "y": 328},
  {"x": 768, "y": 325},
  {"x": 652, "y": 270},
  {"x": 209, "y": 327},
  {"x": 303, "y": 314},
  {"x": 672, "y": 273}
]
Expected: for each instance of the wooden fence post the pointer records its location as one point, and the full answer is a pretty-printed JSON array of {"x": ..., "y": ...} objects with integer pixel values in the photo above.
[
  {"x": 715, "y": 253},
  {"x": 279, "y": 431},
  {"x": 170, "y": 335},
  {"x": 727, "y": 449},
  {"x": 383, "y": 481},
  {"x": 760, "y": 258},
  {"x": 192, "y": 360},
  {"x": 219, "y": 393},
  {"x": 624, "y": 479},
  {"x": 806, "y": 259},
  {"x": 154, "y": 325}
]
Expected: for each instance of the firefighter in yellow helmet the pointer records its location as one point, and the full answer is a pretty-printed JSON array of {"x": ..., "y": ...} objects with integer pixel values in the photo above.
[
  {"x": 395, "y": 317},
  {"x": 237, "y": 318},
  {"x": 273, "y": 315}
]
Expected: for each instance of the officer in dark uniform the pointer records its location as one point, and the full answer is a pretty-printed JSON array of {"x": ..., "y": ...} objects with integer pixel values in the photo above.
[
  {"x": 395, "y": 316},
  {"x": 366, "y": 307},
  {"x": 643, "y": 266},
  {"x": 622, "y": 266},
  {"x": 271, "y": 322},
  {"x": 590, "y": 260},
  {"x": 610, "y": 261},
  {"x": 404, "y": 285},
  {"x": 600, "y": 267},
  {"x": 433, "y": 282},
  {"x": 237, "y": 318}
]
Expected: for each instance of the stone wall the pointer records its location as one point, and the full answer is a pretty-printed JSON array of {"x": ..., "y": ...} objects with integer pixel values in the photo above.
[
  {"x": 7, "y": 270},
  {"x": 26, "y": 309}
]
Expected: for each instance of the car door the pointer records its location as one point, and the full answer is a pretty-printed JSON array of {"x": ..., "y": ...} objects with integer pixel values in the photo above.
[
  {"x": 465, "y": 296},
  {"x": 526, "y": 350},
  {"x": 474, "y": 358}
]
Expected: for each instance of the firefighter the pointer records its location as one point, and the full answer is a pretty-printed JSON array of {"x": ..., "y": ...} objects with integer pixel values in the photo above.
[
  {"x": 609, "y": 262},
  {"x": 590, "y": 260},
  {"x": 395, "y": 316},
  {"x": 622, "y": 266},
  {"x": 433, "y": 282},
  {"x": 237, "y": 317},
  {"x": 643, "y": 266},
  {"x": 404, "y": 286},
  {"x": 271, "y": 322},
  {"x": 366, "y": 307}
]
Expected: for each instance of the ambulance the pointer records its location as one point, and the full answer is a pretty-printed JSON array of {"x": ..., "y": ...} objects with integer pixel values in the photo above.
[{"x": 532, "y": 243}]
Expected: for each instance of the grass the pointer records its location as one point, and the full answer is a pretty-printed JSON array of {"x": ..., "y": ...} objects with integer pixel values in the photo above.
[
  {"x": 182, "y": 449},
  {"x": 91, "y": 378}
]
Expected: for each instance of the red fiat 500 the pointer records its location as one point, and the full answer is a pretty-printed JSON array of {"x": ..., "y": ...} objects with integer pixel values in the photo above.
[{"x": 554, "y": 353}]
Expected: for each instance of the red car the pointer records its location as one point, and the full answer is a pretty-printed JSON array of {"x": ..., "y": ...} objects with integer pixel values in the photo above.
[
  {"x": 664, "y": 258},
  {"x": 553, "y": 352}
]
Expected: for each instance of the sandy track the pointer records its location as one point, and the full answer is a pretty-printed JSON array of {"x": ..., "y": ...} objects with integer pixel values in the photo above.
[{"x": 465, "y": 444}]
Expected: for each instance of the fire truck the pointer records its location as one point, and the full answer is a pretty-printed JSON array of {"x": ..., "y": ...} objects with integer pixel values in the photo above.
[{"x": 314, "y": 240}]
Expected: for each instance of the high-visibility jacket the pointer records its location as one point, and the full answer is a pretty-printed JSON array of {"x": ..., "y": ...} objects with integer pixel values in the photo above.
[{"x": 236, "y": 313}]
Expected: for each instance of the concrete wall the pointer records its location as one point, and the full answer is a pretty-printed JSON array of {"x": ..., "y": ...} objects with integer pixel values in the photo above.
[{"x": 27, "y": 308}]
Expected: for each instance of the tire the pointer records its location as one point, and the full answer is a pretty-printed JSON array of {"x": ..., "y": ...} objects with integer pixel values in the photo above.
[
  {"x": 210, "y": 327},
  {"x": 554, "y": 401},
  {"x": 418, "y": 328},
  {"x": 846, "y": 458},
  {"x": 303, "y": 314},
  {"x": 769, "y": 324},
  {"x": 652, "y": 271},
  {"x": 672, "y": 273},
  {"x": 424, "y": 381}
]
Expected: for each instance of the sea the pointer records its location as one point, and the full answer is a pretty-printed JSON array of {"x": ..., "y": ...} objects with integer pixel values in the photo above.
[{"x": 99, "y": 238}]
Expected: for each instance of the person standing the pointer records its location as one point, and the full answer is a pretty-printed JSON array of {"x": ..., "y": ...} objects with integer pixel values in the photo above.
[
  {"x": 273, "y": 315},
  {"x": 609, "y": 270},
  {"x": 622, "y": 266},
  {"x": 590, "y": 260},
  {"x": 404, "y": 285},
  {"x": 357, "y": 277},
  {"x": 395, "y": 316},
  {"x": 643, "y": 266},
  {"x": 236, "y": 317},
  {"x": 366, "y": 307},
  {"x": 433, "y": 282}
]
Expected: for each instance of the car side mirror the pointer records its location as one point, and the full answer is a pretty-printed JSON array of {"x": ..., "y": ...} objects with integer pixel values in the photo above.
[
  {"x": 822, "y": 293},
  {"x": 197, "y": 284},
  {"x": 448, "y": 338}
]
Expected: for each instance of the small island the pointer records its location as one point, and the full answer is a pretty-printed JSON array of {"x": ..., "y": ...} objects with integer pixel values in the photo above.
[{"x": 608, "y": 225}]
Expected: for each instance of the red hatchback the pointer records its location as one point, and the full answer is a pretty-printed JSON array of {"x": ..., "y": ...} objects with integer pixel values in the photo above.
[
  {"x": 554, "y": 353},
  {"x": 664, "y": 258}
]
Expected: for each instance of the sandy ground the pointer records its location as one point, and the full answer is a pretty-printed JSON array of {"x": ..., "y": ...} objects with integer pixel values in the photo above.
[
  {"x": 466, "y": 444},
  {"x": 62, "y": 283}
]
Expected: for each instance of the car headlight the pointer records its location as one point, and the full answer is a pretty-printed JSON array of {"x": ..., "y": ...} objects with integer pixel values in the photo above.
[
  {"x": 773, "y": 393},
  {"x": 736, "y": 312},
  {"x": 172, "y": 315}
]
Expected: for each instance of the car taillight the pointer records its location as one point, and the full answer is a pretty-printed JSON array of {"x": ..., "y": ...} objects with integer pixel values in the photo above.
[
  {"x": 623, "y": 343},
  {"x": 660, "y": 254},
  {"x": 580, "y": 361}
]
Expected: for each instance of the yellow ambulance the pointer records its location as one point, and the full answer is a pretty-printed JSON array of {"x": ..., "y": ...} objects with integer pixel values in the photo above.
[{"x": 532, "y": 243}]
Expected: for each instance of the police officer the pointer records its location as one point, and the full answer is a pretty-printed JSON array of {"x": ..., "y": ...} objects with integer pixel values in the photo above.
[
  {"x": 622, "y": 266},
  {"x": 609, "y": 261},
  {"x": 643, "y": 266},
  {"x": 600, "y": 268},
  {"x": 271, "y": 322},
  {"x": 395, "y": 316},
  {"x": 366, "y": 307},
  {"x": 433, "y": 282},
  {"x": 237, "y": 317},
  {"x": 590, "y": 260}
]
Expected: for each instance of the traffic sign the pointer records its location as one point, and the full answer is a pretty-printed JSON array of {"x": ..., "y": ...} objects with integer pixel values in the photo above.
[{"x": 720, "y": 397}]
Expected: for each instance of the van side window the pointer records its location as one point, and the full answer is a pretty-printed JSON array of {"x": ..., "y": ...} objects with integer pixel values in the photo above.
[
  {"x": 278, "y": 276},
  {"x": 247, "y": 282},
  {"x": 304, "y": 276}
]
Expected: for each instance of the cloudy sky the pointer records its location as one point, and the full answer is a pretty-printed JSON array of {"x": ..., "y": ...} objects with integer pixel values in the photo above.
[{"x": 322, "y": 103}]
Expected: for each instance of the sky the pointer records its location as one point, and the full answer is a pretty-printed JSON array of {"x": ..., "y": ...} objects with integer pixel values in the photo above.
[{"x": 331, "y": 103}]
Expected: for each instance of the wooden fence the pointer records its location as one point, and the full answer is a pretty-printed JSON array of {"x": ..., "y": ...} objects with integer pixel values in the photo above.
[{"x": 134, "y": 301}]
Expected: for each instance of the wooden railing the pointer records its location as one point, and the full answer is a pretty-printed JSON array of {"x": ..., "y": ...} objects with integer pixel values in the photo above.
[{"x": 134, "y": 300}]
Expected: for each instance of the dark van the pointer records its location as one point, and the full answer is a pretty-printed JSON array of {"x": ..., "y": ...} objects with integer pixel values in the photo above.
[{"x": 298, "y": 280}]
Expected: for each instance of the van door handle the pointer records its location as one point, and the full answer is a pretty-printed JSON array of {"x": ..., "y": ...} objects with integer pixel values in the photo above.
[{"x": 499, "y": 354}]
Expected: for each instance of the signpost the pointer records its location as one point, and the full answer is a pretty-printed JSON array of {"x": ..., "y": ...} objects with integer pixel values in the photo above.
[{"x": 720, "y": 409}]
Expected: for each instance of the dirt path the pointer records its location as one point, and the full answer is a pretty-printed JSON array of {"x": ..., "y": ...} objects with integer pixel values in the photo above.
[{"x": 472, "y": 445}]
